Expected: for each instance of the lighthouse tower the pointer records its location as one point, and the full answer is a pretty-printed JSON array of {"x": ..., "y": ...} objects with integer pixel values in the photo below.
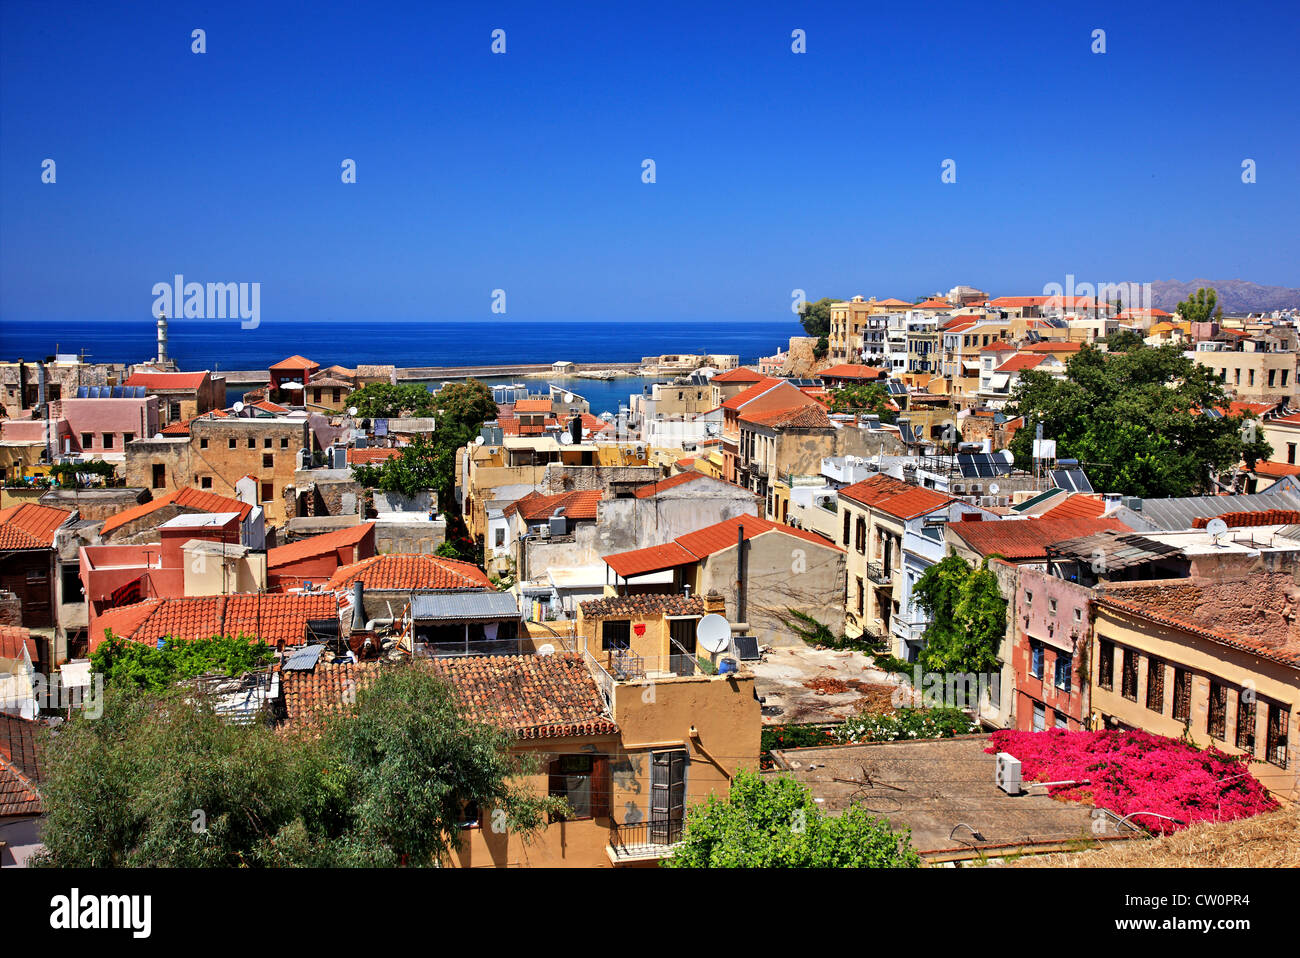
[{"x": 162, "y": 339}]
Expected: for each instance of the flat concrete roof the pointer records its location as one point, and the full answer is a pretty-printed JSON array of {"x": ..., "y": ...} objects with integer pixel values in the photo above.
[{"x": 930, "y": 786}]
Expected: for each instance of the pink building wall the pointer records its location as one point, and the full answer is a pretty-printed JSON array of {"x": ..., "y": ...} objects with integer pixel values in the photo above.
[
  {"x": 1059, "y": 634},
  {"x": 116, "y": 417}
]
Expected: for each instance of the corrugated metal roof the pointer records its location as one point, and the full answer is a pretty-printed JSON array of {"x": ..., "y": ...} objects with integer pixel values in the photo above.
[
  {"x": 304, "y": 659},
  {"x": 473, "y": 606},
  {"x": 1168, "y": 515}
]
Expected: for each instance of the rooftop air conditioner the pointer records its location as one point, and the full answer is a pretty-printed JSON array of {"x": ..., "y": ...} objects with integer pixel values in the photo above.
[{"x": 1006, "y": 774}]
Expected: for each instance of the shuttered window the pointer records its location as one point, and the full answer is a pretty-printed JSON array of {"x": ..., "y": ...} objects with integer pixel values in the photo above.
[
  {"x": 1245, "y": 724},
  {"x": 1182, "y": 695},
  {"x": 1106, "y": 664},
  {"x": 1156, "y": 685},
  {"x": 1217, "y": 722}
]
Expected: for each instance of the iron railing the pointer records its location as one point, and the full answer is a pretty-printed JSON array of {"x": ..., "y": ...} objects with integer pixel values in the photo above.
[{"x": 656, "y": 832}]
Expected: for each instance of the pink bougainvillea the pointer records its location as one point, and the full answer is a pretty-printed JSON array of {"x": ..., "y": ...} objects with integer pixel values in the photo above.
[{"x": 1137, "y": 771}]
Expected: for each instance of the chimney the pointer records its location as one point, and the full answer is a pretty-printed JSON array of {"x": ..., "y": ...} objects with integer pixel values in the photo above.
[
  {"x": 358, "y": 607},
  {"x": 715, "y": 603},
  {"x": 575, "y": 429}
]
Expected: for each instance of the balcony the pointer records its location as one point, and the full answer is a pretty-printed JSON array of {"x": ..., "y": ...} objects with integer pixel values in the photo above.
[
  {"x": 643, "y": 841},
  {"x": 877, "y": 574}
]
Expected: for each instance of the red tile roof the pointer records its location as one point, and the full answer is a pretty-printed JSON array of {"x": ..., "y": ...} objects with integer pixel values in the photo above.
[
  {"x": 294, "y": 363},
  {"x": 752, "y": 393},
  {"x": 13, "y": 639},
  {"x": 20, "y": 773},
  {"x": 654, "y": 488},
  {"x": 1051, "y": 346},
  {"x": 372, "y": 454},
  {"x": 166, "y": 380},
  {"x": 904, "y": 500},
  {"x": 704, "y": 542},
  {"x": 30, "y": 526},
  {"x": 650, "y": 559},
  {"x": 410, "y": 571},
  {"x": 1027, "y": 538},
  {"x": 645, "y": 605},
  {"x": 267, "y": 406},
  {"x": 999, "y": 347},
  {"x": 1020, "y": 362},
  {"x": 272, "y": 617},
  {"x": 1277, "y": 469},
  {"x": 531, "y": 696},
  {"x": 317, "y": 545},
  {"x": 934, "y": 304},
  {"x": 1260, "y": 517},
  {"x": 535, "y": 507},
  {"x": 188, "y": 497},
  {"x": 851, "y": 371},
  {"x": 741, "y": 374},
  {"x": 809, "y": 416},
  {"x": 1080, "y": 506},
  {"x": 1017, "y": 302},
  {"x": 533, "y": 405}
]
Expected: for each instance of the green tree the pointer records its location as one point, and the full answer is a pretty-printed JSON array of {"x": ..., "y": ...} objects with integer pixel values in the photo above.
[
  {"x": 773, "y": 822},
  {"x": 967, "y": 616},
  {"x": 1136, "y": 421},
  {"x": 161, "y": 780},
  {"x": 863, "y": 398},
  {"x": 816, "y": 317},
  {"x": 465, "y": 406},
  {"x": 124, "y": 663},
  {"x": 420, "y": 467},
  {"x": 1124, "y": 340},
  {"x": 821, "y": 347},
  {"x": 388, "y": 401},
  {"x": 1200, "y": 307}
]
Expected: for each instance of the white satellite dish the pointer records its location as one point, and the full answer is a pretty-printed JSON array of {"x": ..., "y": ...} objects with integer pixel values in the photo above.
[
  {"x": 478, "y": 441},
  {"x": 546, "y": 649},
  {"x": 565, "y": 439},
  {"x": 713, "y": 632},
  {"x": 568, "y": 398},
  {"x": 352, "y": 410},
  {"x": 994, "y": 488},
  {"x": 238, "y": 407},
  {"x": 1216, "y": 527}
]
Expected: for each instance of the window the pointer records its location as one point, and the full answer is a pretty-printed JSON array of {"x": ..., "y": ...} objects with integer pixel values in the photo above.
[
  {"x": 1217, "y": 722},
  {"x": 1061, "y": 720},
  {"x": 1251, "y": 377},
  {"x": 1029, "y": 597},
  {"x": 1245, "y": 725},
  {"x": 231, "y": 442},
  {"x": 1051, "y": 607},
  {"x": 1078, "y": 614},
  {"x": 860, "y": 536},
  {"x": 1284, "y": 374},
  {"x": 128, "y": 437},
  {"x": 87, "y": 440},
  {"x": 206, "y": 482},
  {"x": 268, "y": 491},
  {"x": 1272, "y": 378},
  {"x": 1129, "y": 689},
  {"x": 284, "y": 443},
  {"x": 1064, "y": 663},
  {"x": 159, "y": 475},
  {"x": 862, "y": 597},
  {"x": 203, "y": 443},
  {"x": 107, "y": 439},
  {"x": 1106, "y": 664},
  {"x": 252, "y": 443},
  {"x": 71, "y": 582},
  {"x": 1156, "y": 685},
  {"x": 1040, "y": 716},
  {"x": 268, "y": 460},
  {"x": 1035, "y": 659},
  {"x": 500, "y": 539},
  {"x": 1275, "y": 744},
  {"x": 583, "y": 781},
  {"x": 1182, "y": 695},
  {"x": 338, "y": 394},
  {"x": 1290, "y": 453},
  {"x": 266, "y": 443},
  {"x": 615, "y": 634}
]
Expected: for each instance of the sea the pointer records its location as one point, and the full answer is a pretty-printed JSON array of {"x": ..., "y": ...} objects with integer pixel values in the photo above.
[{"x": 218, "y": 345}]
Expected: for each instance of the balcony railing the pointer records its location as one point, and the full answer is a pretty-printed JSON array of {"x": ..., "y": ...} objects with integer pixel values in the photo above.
[
  {"x": 644, "y": 840},
  {"x": 877, "y": 574}
]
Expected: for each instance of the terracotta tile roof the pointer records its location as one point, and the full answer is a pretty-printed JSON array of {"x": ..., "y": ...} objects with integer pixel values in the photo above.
[
  {"x": 13, "y": 639},
  {"x": 372, "y": 454},
  {"x": 848, "y": 371},
  {"x": 1278, "y": 469},
  {"x": 1261, "y": 517},
  {"x": 20, "y": 774},
  {"x": 182, "y": 427},
  {"x": 533, "y": 696},
  {"x": 1020, "y": 362},
  {"x": 654, "y": 488},
  {"x": 904, "y": 500},
  {"x": 30, "y": 526},
  {"x": 1027, "y": 538},
  {"x": 267, "y": 406},
  {"x": 643, "y": 606},
  {"x": 650, "y": 559},
  {"x": 533, "y": 405},
  {"x": 166, "y": 380},
  {"x": 892, "y": 302},
  {"x": 188, "y": 497},
  {"x": 317, "y": 545},
  {"x": 410, "y": 571},
  {"x": 810, "y": 416},
  {"x": 1076, "y": 507},
  {"x": 1001, "y": 346},
  {"x": 326, "y": 380},
  {"x": 1214, "y": 610},
  {"x": 1248, "y": 409},
  {"x": 688, "y": 463},
  {"x": 295, "y": 363},
  {"x": 933, "y": 304},
  {"x": 1051, "y": 346},
  {"x": 741, "y": 374},
  {"x": 1017, "y": 302},
  {"x": 535, "y": 507},
  {"x": 752, "y": 393},
  {"x": 1127, "y": 313},
  {"x": 272, "y": 617}
]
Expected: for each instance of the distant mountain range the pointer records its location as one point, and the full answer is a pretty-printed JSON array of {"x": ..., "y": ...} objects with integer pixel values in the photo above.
[{"x": 1235, "y": 295}]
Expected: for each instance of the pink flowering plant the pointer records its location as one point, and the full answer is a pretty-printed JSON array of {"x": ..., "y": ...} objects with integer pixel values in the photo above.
[{"x": 1136, "y": 771}]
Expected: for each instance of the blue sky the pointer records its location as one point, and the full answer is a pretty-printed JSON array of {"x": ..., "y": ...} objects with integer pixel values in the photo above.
[{"x": 522, "y": 171}]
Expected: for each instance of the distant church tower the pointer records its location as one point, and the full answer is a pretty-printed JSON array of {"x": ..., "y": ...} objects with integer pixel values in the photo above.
[{"x": 162, "y": 339}]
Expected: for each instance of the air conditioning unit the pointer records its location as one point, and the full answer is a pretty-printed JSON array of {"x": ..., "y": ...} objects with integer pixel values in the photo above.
[{"x": 1006, "y": 774}]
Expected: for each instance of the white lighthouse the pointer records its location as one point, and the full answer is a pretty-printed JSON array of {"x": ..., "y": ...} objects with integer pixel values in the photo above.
[{"x": 162, "y": 339}]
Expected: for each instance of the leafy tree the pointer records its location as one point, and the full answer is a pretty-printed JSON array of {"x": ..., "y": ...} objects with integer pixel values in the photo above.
[
  {"x": 162, "y": 781},
  {"x": 465, "y": 406},
  {"x": 1123, "y": 340},
  {"x": 1135, "y": 420},
  {"x": 863, "y": 398},
  {"x": 128, "y": 664},
  {"x": 967, "y": 614},
  {"x": 388, "y": 401},
  {"x": 821, "y": 347},
  {"x": 1200, "y": 307},
  {"x": 419, "y": 468},
  {"x": 816, "y": 317},
  {"x": 773, "y": 822}
]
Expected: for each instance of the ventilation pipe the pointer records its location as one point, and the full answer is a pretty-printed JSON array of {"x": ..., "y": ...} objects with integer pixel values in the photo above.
[
  {"x": 358, "y": 610},
  {"x": 740, "y": 572}
]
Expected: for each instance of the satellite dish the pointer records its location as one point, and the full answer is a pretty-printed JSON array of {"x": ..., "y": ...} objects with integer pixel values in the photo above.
[
  {"x": 713, "y": 632},
  {"x": 352, "y": 410},
  {"x": 478, "y": 441},
  {"x": 546, "y": 649},
  {"x": 994, "y": 488},
  {"x": 1216, "y": 527},
  {"x": 238, "y": 407},
  {"x": 568, "y": 398},
  {"x": 158, "y": 435},
  {"x": 565, "y": 439}
]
